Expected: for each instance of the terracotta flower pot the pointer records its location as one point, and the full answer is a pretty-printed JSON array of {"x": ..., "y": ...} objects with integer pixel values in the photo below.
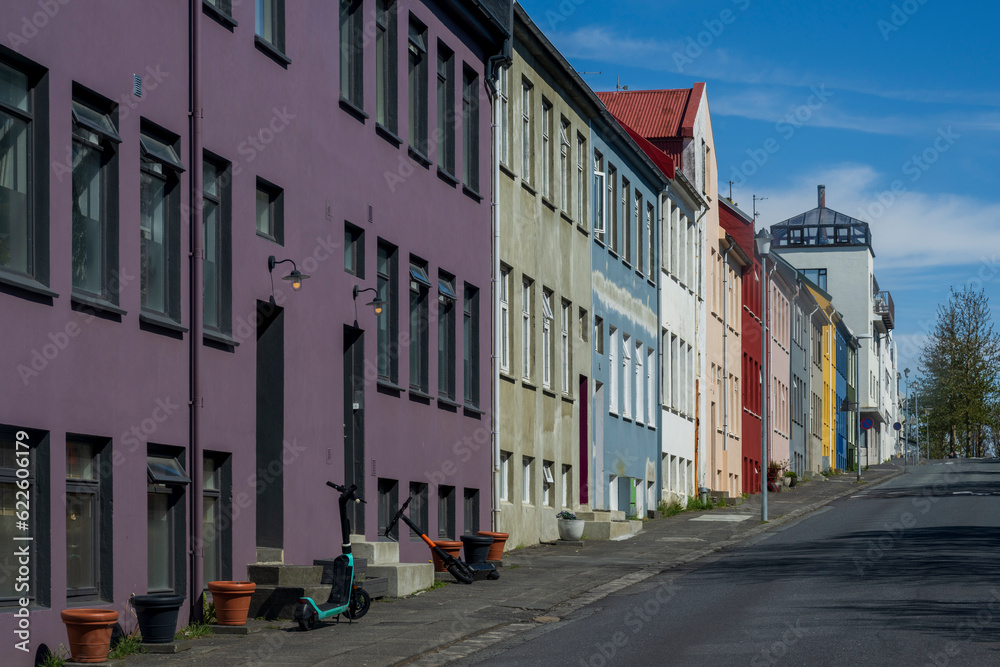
[
  {"x": 496, "y": 549},
  {"x": 449, "y": 547},
  {"x": 232, "y": 601},
  {"x": 89, "y": 632}
]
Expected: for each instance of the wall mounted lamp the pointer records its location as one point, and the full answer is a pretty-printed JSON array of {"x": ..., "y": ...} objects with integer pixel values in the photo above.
[
  {"x": 294, "y": 277},
  {"x": 377, "y": 303}
]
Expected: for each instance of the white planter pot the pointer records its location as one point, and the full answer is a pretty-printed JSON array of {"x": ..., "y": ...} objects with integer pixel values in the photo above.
[{"x": 570, "y": 529}]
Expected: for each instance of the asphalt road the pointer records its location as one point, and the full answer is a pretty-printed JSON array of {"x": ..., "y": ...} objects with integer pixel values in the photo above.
[{"x": 907, "y": 573}]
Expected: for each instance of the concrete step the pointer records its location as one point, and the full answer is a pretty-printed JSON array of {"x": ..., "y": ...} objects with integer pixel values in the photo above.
[
  {"x": 609, "y": 530},
  {"x": 278, "y": 602},
  {"x": 403, "y": 578},
  {"x": 269, "y": 555},
  {"x": 274, "y": 574},
  {"x": 601, "y": 515},
  {"x": 376, "y": 553}
]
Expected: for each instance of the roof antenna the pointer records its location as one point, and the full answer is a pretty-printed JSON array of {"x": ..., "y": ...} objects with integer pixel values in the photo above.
[
  {"x": 618, "y": 86},
  {"x": 756, "y": 199},
  {"x": 582, "y": 72},
  {"x": 730, "y": 190}
]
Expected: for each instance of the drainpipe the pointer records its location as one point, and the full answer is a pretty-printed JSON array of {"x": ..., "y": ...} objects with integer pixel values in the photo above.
[
  {"x": 197, "y": 549},
  {"x": 725, "y": 350},
  {"x": 493, "y": 71}
]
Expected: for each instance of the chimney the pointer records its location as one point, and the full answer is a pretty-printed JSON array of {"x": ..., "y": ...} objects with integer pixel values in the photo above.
[{"x": 821, "y": 190}]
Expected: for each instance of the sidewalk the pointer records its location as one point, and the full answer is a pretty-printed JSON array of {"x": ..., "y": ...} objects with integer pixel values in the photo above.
[{"x": 537, "y": 584}]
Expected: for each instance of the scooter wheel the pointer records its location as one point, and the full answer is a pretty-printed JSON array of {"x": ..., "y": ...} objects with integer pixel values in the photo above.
[
  {"x": 360, "y": 602},
  {"x": 307, "y": 623}
]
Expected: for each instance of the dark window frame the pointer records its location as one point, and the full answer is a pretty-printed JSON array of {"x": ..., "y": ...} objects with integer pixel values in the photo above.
[
  {"x": 470, "y": 335},
  {"x": 276, "y": 8},
  {"x": 419, "y": 327},
  {"x": 166, "y": 168},
  {"x": 354, "y": 250},
  {"x": 102, "y": 489},
  {"x": 222, "y": 199},
  {"x": 388, "y": 323},
  {"x": 447, "y": 298},
  {"x": 276, "y": 211},
  {"x": 418, "y": 509},
  {"x": 470, "y": 128},
  {"x": 388, "y": 505},
  {"x": 386, "y": 66},
  {"x": 446, "y": 108},
  {"x": 446, "y": 512},
  {"x": 223, "y": 493},
  {"x": 174, "y": 490},
  {"x": 352, "y": 39},
  {"x": 470, "y": 511},
  {"x": 417, "y": 88}
]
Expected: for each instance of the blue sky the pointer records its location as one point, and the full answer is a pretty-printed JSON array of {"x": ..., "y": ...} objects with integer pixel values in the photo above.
[{"x": 893, "y": 105}]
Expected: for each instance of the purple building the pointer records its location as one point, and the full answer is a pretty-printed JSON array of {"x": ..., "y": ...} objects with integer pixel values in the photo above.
[{"x": 175, "y": 420}]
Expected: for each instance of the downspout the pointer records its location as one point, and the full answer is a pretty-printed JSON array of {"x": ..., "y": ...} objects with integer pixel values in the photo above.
[
  {"x": 725, "y": 349},
  {"x": 197, "y": 549},
  {"x": 493, "y": 71}
]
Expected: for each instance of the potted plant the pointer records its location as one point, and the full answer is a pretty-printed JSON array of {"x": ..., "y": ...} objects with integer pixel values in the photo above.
[
  {"x": 89, "y": 632},
  {"x": 232, "y": 601},
  {"x": 450, "y": 547},
  {"x": 570, "y": 528},
  {"x": 790, "y": 478},
  {"x": 774, "y": 471},
  {"x": 496, "y": 549},
  {"x": 157, "y": 616}
]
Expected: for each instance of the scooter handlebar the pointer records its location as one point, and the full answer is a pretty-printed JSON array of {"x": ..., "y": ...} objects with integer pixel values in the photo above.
[
  {"x": 348, "y": 491},
  {"x": 395, "y": 519}
]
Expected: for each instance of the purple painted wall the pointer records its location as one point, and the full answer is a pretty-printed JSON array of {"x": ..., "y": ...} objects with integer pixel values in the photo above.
[{"x": 333, "y": 167}]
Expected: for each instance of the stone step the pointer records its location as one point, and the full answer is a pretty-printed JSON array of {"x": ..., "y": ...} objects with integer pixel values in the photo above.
[
  {"x": 403, "y": 578},
  {"x": 274, "y": 574},
  {"x": 376, "y": 553},
  {"x": 360, "y": 565},
  {"x": 609, "y": 530},
  {"x": 269, "y": 555},
  {"x": 278, "y": 602},
  {"x": 601, "y": 515}
]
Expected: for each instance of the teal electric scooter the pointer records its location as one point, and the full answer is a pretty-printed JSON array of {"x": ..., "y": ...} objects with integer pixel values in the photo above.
[{"x": 347, "y": 597}]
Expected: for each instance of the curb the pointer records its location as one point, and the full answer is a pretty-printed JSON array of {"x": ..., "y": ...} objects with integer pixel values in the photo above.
[{"x": 477, "y": 641}]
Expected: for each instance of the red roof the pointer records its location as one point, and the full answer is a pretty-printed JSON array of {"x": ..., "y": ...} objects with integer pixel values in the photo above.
[
  {"x": 661, "y": 159},
  {"x": 656, "y": 114}
]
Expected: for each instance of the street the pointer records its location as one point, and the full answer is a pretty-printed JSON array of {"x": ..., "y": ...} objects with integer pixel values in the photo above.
[{"x": 902, "y": 574}]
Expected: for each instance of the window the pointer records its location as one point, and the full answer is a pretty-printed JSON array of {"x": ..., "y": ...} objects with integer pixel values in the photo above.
[
  {"x": 599, "y": 204},
  {"x": 627, "y": 375},
  {"x": 388, "y": 505},
  {"x": 217, "y": 218},
  {"x": 471, "y": 511},
  {"x": 159, "y": 220},
  {"x": 627, "y": 221},
  {"x": 385, "y": 65},
  {"x": 95, "y": 205},
  {"x": 388, "y": 322},
  {"x": 470, "y": 129},
  {"x": 470, "y": 345},
  {"x": 24, "y": 497},
  {"x": 613, "y": 207},
  {"x": 567, "y": 483},
  {"x": 165, "y": 531},
  {"x": 504, "y": 117},
  {"x": 651, "y": 241},
  {"x": 88, "y": 519},
  {"x": 613, "y": 370},
  {"x": 270, "y": 21},
  {"x": 417, "y": 78},
  {"x": 217, "y": 538},
  {"x": 598, "y": 335},
  {"x": 354, "y": 250},
  {"x": 567, "y": 310},
  {"x": 526, "y": 131},
  {"x": 352, "y": 86},
  {"x": 446, "y": 512},
  {"x": 584, "y": 320},
  {"x": 650, "y": 387},
  {"x": 640, "y": 381},
  {"x": 817, "y": 276},
  {"x": 526, "y": 464},
  {"x": 270, "y": 211},
  {"x": 548, "y": 482},
  {"x": 547, "y": 318},
  {"x": 526, "y": 290},
  {"x": 224, "y": 6},
  {"x": 446, "y": 336},
  {"x": 564, "y": 177},
  {"x": 640, "y": 262},
  {"x": 505, "y": 319},
  {"x": 23, "y": 179},
  {"x": 546, "y": 149},
  {"x": 581, "y": 151},
  {"x": 420, "y": 286},
  {"x": 446, "y": 108},
  {"x": 505, "y": 478},
  {"x": 418, "y": 510}
]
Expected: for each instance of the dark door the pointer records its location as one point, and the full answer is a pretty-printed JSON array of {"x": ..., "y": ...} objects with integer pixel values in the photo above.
[
  {"x": 354, "y": 422},
  {"x": 584, "y": 441},
  {"x": 270, "y": 425}
]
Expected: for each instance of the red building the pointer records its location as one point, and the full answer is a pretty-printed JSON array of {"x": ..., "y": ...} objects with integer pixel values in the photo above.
[{"x": 740, "y": 226}]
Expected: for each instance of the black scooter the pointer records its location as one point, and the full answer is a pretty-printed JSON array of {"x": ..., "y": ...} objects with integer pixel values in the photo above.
[
  {"x": 464, "y": 573},
  {"x": 346, "y": 597}
]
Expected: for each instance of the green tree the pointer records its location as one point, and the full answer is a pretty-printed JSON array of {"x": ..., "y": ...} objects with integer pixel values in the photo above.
[{"x": 961, "y": 368}]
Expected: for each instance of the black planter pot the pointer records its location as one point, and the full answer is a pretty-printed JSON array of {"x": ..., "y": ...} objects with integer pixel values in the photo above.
[
  {"x": 476, "y": 547},
  {"x": 157, "y": 615}
]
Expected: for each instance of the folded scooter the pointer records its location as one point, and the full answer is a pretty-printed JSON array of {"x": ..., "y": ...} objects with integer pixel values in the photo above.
[
  {"x": 464, "y": 573},
  {"x": 346, "y": 597}
]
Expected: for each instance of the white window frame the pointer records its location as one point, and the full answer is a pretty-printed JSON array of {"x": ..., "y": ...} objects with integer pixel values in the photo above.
[
  {"x": 526, "y": 463},
  {"x": 546, "y": 149},
  {"x": 505, "y": 476},
  {"x": 567, "y": 310},
  {"x": 504, "y": 117},
  {"x": 581, "y": 151},
  {"x": 526, "y": 131},
  {"x": 564, "y": 147},
  {"x": 567, "y": 472},
  {"x": 651, "y": 386},
  {"x": 547, "y": 318},
  {"x": 601, "y": 208},
  {"x": 627, "y": 376},
  {"x": 505, "y": 320},
  {"x": 613, "y": 371},
  {"x": 640, "y": 398},
  {"x": 526, "y": 285}
]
